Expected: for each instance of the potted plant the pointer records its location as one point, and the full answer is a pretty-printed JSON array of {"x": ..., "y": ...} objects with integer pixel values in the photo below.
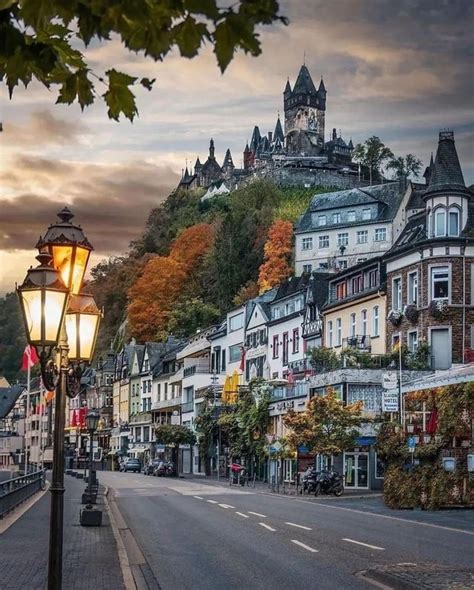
[
  {"x": 411, "y": 313},
  {"x": 395, "y": 316},
  {"x": 439, "y": 308}
]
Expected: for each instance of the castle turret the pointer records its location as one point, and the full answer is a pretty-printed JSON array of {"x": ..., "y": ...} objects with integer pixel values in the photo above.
[
  {"x": 228, "y": 165},
  {"x": 211, "y": 150},
  {"x": 248, "y": 157}
]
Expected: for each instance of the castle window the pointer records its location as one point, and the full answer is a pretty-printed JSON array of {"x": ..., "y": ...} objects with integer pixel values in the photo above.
[
  {"x": 307, "y": 243},
  {"x": 453, "y": 228},
  {"x": 440, "y": 223},
  {"x": 324, "y": 241}
]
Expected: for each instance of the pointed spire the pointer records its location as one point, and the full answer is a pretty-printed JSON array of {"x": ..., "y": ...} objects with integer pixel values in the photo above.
[
  {"x": 228, "y": 163},
  {"x": 304, "y": 83},
  {"x": 197, "y": 165},
  {"x": 322, "y": 88},
  {"x": 256, "y": 138},
  {"x": 211, "y": 150},
  {"x": 350, "y": 144},
  {"x": 446, "y": 173},
  {"x": 278, "y": 133},
  {"x": 287, "y": 90}
]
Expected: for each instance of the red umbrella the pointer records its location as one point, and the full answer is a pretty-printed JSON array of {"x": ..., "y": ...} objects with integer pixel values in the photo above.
[{"x": 432, "y": 425}]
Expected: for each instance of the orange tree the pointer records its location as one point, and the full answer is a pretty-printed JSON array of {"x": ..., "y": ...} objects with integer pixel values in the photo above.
[
  {"x": 276, "y": 265},
  {"x": 327, "y": 426}
]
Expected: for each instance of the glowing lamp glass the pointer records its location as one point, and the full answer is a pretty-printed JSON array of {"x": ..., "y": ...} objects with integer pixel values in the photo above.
[
  {"x": 43, "y": 313},
  {"x": 71, "y": 261},
  {"x": 82, "y": 325}
]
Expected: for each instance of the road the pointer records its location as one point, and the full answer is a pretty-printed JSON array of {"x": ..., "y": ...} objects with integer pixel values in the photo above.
[{"x": 199, "y": 535}]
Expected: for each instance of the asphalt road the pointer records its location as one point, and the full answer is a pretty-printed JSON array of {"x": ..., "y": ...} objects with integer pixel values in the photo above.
[{"x": 203, "y": 536}]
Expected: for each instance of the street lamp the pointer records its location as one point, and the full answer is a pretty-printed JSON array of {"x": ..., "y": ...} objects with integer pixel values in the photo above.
[
  {"x": 50, "y": 311},
  {"x": 92, "y": 421}
]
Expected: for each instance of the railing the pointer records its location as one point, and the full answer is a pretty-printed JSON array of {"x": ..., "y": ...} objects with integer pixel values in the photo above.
[
  {"x": 299, "y": 366},
  {"x": 190, "y": 371},
  {"x": 298, "y": 389},
  {"x": 17, "y": 490},
  {"x": 312, "y": 327},
  {"x": 141, "y": 417},
  {"x": 361, "y": 343},
  {"x": 167, "y": 403}
]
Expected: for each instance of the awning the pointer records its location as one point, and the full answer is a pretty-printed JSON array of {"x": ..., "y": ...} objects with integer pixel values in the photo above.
[{"x": 365, "y": 441}]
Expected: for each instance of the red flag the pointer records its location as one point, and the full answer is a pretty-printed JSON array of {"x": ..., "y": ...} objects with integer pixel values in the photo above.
[
  {"x": 243, "y": 352},
  {"x": 30, "y": 357}
]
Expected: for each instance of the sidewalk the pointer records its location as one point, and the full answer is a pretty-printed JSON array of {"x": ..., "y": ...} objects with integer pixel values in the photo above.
[{"x": 90, "y": 559}]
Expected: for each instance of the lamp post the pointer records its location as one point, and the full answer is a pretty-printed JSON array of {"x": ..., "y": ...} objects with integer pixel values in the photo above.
[
  {"x": 92, "y": 421},
  {"x": 46, "y": 301}
]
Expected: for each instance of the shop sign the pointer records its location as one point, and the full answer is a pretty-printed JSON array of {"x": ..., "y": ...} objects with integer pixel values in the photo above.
[
  {"x": 253, "y": 353},
  {"x": 390, "y": 400},
  {"x": 390, "y": 380}
]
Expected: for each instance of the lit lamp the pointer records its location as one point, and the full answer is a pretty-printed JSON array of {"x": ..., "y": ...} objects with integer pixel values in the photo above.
[
  {"x": 69, "y": 248},
  {"x": 43, "y": 299},
  {"x": 82, "y": 326},
  {"x": 88, "y": 515}
]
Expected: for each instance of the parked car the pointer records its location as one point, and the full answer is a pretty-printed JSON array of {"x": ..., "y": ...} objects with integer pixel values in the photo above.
[
  {"x": 151, "y": 466},
  {"x": 132, "y": 465}
]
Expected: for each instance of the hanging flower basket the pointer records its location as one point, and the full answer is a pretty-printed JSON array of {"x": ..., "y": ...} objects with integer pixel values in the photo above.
[
  {"x": 395, "y": 316},
  {"x": 439, "y": 309},
  {"x": 410, "y": 428},
  {"x": 426, "y": 438},
  {"x": 411, "y": 313}
]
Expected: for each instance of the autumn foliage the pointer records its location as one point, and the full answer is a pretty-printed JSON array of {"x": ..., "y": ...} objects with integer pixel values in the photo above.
[
  {"x": 164, "y": 280},
  {"x": 276, "y": 265}
]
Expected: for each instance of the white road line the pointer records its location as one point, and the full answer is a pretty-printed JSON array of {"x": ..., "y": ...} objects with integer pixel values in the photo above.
[
  {"x": 198, "y": 497},
  {"x": 241, "y": 514},
  {"x": 256, "y": 514},
  {"x": 212, "y": 502},
  {"x": 365, "y": 544},
  {"x": 300, "y": 526},
  {"x": 226, "y": 506},
  {"x": 265, "y": 526},
  {"x": 307, "y": 547}
]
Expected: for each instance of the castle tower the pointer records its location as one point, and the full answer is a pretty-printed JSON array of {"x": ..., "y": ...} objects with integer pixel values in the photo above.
[{"x": 305, "y": 109}]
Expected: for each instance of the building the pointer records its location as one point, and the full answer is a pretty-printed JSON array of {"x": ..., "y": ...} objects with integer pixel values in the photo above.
[
  {"x": 343, "y": 228},
  {"x": 430, "y": 267}
]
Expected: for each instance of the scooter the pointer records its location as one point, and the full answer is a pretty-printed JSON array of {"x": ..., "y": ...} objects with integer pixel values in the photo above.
[
  {"x": 329, "y": 482},
  {"x": 308, "y": 481}
]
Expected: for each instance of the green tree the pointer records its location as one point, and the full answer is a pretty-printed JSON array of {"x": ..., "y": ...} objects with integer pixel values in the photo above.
[
  {"x": 327, "y": 426},
  {"x": 12, "y": 338},
  {"x": 410, "y": 165},
  {"x": 190, "y": 314},
  {"x": 40, "y": 39},
  {"x": 372, "y": 154},
  {"x": 173, "y": 435}
]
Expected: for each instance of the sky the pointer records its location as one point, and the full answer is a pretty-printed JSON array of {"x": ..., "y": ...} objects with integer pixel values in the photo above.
[{"x": 400, "y": 70}]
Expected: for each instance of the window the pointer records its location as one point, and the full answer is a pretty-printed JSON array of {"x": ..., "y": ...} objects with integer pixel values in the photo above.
[
  {"x": 366, "y": 214},
  {"x": 322, "y": 220},
  {"x": 307, "y": 243},
  {"x": 376, "y": 321},
  {"x": 336, "y": 218},
  {"x": 236, "y": 322},
  {"x": 364, "y": 322},
  {"x": 275, "y": 347},
  {"x": 351, "y": 216},
  {"x": 395, "y": 341},
  {"x": 379, "y": 467},
  {"x": 380, "y": 234},
  {"x": 285, "y": 348},
  {"x": 373, "y": 278},
  {"x": 324, "y": 241},
  {"x": 342, "y": 264},
  {"x": 296, "y": 340},
  {"x": 353, "y": 324},
  {"x": 338, "y": 332},
  {"x": 341, "y": 290},
  {"x": 307, "y": 268},
  {"x": 453, "y": 227},
  {"x": 362, "y": 236},
  {"x": 330, "y": 334},
  {"x": 413, "y": 288},
  {"x": 357, "y": 284},
  {"x": 440, "y": 222},
  {"x": 397, "y": 293},
  {"x": 235, "y": 353},
  {"x": 440, "y": 283},
  {"x": 412, "y": 341},
  {"x": 342, "y": 239}
]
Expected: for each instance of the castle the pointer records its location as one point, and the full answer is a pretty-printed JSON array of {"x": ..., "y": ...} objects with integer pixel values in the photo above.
[{"x": 298, "y": 155}]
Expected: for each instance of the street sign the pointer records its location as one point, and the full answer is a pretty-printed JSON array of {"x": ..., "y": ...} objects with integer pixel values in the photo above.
[
  {"x": 390, "y": 380},
  {"x": 390, "y": 401},
  {"x": 175, "y": 418},
  {"x": 276, "y": 447},
  {"x": 411, "y": 444}
]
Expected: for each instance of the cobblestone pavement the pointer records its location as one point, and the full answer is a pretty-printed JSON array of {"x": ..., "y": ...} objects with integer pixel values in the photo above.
[
  {"x": 90, "y": 559},
  {"x": 410, "y": 576}
]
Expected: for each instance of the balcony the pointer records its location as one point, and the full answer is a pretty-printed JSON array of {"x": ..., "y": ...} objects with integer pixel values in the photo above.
[
  {"x": 197, "y": 368},
  {"x": 359, "y": 343},
  {"x": 143, "y": 417},
  {"x": 187, "y": 407},
  {"x": 299, "y": 366},
  {"x": 167, "y": 403},
  {"x": 298, "y": 389}
]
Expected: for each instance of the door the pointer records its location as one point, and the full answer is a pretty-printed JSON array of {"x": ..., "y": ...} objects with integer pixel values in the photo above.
[
  {"x": 441, "y": 348},
  {"x": 356, "y": 470}
]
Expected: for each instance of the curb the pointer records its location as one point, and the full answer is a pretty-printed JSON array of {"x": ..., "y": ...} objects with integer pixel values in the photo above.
[{"x": 10, "y": 518}]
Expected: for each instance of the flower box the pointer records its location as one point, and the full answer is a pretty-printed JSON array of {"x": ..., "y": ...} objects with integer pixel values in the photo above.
[{"x": 410, "y": 428}]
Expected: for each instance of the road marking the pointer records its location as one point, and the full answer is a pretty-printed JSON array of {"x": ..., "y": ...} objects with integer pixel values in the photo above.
[
  {"x": 226, "y": 506},
  {"x": 256, "y": 514},
  {"x": 265, "y": 526},
  {"x": 241, "y": 514},
  {"x": 300, "y": 526},
  {"x": 307, "y": 547},
  {"x": 212, "y": 502},
  {"x": 198, "y": 497},
  {"x": 365, "y": 544}
]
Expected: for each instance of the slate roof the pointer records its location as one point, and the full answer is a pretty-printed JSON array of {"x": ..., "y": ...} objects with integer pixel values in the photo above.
[
  {"x": 278, "y": 133},
  {"x": 304, "y": 83},
  {"x": 416, "y": 198},
  {"x": 8, "y": 397},
  {"x": 446, "y": 173},
  {"x": 388, "y": 196}
]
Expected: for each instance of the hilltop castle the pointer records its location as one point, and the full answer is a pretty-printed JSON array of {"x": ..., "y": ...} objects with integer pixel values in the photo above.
[{"x": 299, "y": 155}]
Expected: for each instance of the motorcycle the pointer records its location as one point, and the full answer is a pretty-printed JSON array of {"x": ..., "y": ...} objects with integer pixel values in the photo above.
[
  {"x": 238, "y": 474},
  {"x": 308, "y": 481},
  {"x": 329, "y": 482}
]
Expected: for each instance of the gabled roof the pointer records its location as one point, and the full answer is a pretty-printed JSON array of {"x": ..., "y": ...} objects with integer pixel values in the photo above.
[
  {"x": 8, "y": 397},
  {"x": 446, "y": 175},
  {"x": 278, "y": 133},
  {"x": 304, "y": 83}
]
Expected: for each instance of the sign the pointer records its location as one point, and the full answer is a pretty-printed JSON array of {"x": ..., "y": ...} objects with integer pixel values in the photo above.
[
  {"x": 303, "y": 449},
  {"x": 390, "y": 380},
  {"x": 411, "y": 444},
  {"x": 390, "y": 401},
  {"x": 175, "y": 418},
  {"x": 276, "y": 447}
]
